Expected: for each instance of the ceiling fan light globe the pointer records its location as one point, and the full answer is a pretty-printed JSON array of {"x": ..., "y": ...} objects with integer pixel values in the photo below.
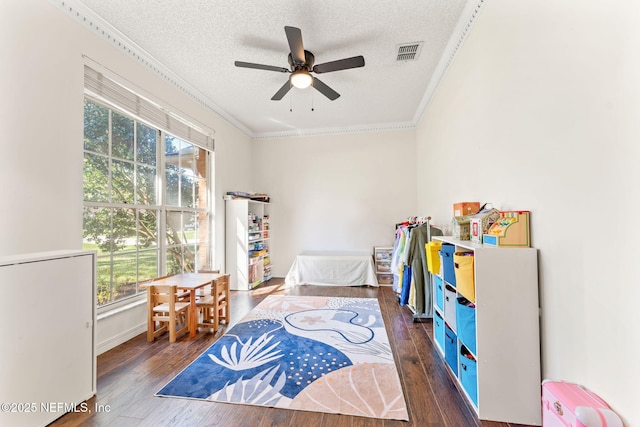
[{"x": 301, "y": 79}]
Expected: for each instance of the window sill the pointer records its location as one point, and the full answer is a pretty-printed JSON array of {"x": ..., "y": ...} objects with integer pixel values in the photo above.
[{"x": 114, "y": 309}]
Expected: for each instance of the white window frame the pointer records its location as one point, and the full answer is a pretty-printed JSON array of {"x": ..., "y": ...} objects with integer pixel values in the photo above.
[{"x": 148, "y": 112}]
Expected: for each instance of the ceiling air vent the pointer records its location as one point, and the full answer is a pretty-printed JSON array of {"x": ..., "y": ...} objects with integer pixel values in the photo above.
[{"x": 409, "y": 51}]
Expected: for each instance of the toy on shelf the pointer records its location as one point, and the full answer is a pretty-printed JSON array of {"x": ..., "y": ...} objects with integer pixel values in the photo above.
[
  {"x": 510, "y": 230},
  {"x": 480, "y": 222}
]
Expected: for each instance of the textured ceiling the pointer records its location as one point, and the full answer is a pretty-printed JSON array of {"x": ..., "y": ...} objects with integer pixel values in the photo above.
[{"x": 197, "y": 42}]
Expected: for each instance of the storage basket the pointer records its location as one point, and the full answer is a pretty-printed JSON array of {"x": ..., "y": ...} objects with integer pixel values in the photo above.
[
  {"x": 438, "y": 322},
  {"x": 433, "y": 256},
  {"x": 448, "y": 271},
  {"x": 450, "y": 306},
  {"x": 439, "y": 285},
  {"x": 469, "y": 374},
  {"x": 463, "y": 270},
  {"x": 451, "y": 349},
  {"x": 466, "y": 323}
]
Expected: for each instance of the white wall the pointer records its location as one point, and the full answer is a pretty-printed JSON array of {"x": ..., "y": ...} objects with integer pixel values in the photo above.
[
  {"x": 40, "y": 165},
  {"x": 337, "y": 192},
  {"x": 540, "y": 111},
  {"x": 41, "y": 110}
]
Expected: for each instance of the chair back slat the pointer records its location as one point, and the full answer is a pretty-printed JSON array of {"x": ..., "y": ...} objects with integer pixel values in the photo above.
[{"x": 163, "y": 307}]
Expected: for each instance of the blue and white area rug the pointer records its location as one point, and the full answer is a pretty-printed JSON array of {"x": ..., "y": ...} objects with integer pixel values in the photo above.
[{"x": 322, "y": 354}]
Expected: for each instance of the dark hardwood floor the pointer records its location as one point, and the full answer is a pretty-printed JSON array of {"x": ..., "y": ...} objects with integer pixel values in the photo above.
[{"x": 130, "y": 374}]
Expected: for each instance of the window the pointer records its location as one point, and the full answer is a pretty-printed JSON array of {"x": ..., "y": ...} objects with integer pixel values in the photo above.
[
  {"x": 146, "y": 204},
  {"x": 186, "y": 200}
]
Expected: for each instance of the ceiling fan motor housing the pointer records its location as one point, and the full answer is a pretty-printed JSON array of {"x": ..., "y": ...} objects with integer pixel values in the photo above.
[{"x": 308, "y": 64}]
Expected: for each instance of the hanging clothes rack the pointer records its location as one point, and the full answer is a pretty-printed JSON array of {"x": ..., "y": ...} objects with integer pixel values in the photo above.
[{"x": 412, "y": 280}]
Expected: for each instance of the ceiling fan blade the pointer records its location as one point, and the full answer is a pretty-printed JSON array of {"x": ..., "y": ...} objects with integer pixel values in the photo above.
[
  {"x": 341, "y": 64},
  {"x": 294, "y": 36},
  {"x": 325, "y": 90},
  {"x": 282, "y": 91},
  {"x": 260, "y": 66}
]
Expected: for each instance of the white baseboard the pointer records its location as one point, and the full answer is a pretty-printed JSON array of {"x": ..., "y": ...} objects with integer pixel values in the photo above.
[{"x": 120, "y": 338}]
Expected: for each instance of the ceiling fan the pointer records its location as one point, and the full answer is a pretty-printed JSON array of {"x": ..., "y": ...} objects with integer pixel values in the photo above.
[{"x": 302, "y": 65}]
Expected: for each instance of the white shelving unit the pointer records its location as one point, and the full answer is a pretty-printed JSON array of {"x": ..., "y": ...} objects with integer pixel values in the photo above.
[
  {"x": 507, "y": 333},
  {"x": 248, "y": 257}
]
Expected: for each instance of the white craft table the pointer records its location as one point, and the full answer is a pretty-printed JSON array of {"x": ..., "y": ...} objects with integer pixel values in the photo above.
[{"x": 332, "y": 268}]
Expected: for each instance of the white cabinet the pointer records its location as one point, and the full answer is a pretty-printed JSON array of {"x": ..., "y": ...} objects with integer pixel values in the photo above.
[
  {"x": 48, "y": 358},
  {"x": 248, "y": 236},
  {"x": 493, "y": 349}
]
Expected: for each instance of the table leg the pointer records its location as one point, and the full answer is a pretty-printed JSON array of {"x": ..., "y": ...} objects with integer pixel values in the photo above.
[{"x": 193, "y": 314}]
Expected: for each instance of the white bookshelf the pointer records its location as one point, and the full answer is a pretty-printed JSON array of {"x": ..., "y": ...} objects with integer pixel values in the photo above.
[{"x": 247, "y": 227}]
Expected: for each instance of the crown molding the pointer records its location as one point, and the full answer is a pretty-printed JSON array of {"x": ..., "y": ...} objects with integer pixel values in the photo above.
[
  {"x": 98, "y": 25},
  {"x": 459, "y": 35},
  {"x": 382, "y": 127}
]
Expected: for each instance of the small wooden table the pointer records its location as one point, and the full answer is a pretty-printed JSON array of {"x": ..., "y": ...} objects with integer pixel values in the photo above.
[{"x": 189, "y": 282}]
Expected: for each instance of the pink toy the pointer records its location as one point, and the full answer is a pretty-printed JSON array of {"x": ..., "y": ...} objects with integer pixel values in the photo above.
[{"x": 571, "y": 405}]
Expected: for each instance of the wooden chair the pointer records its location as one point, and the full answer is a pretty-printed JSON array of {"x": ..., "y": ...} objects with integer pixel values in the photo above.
[
  {"x": 215, "y": 306},
  {"x": 164, "y": 308},
  {"x": 182, "y": 295},
  {"x": 201, "y": 292}
]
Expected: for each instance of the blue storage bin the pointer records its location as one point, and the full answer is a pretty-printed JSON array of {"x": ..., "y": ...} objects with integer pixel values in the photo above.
[
  {"x": 438, "y": 325},
  {"x": 448, "y": 269},
  {"x": 466, "y": 323},
  {"x": 439, "y": 292},
  {"x": 469, "y": 374},
  {"x": 451, "y": 349}
]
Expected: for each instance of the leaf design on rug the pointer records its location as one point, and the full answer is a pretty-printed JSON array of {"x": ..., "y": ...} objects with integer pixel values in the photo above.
[
  {"x": 256, "y": 390},
  {"x": 367, "y": 389},
  {"x": 252, "y": 354}
]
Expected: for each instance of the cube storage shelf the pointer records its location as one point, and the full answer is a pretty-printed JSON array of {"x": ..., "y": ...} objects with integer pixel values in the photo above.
[
  {"x": 248, "y": 256},
  {"x": 493, "y": 350}
]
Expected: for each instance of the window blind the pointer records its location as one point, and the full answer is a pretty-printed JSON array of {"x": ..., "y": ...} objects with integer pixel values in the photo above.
[{"x": 107, "y": 90}]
